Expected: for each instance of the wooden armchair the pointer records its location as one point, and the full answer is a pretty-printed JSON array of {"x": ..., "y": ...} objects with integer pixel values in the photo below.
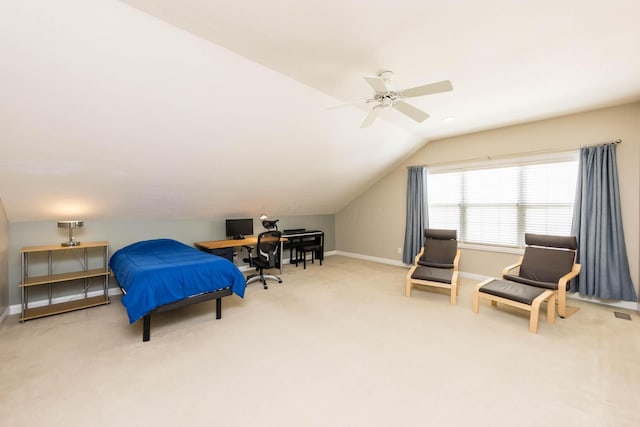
[
  {"x": 437, "y": 263},
  {"x": 545, "y": 269}
]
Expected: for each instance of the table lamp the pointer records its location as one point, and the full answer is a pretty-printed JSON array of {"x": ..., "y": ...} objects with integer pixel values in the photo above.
[{"x": 70, "y": 225}]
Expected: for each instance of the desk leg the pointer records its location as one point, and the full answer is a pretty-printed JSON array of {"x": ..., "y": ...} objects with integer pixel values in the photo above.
[{"x": 280, "y": 255}]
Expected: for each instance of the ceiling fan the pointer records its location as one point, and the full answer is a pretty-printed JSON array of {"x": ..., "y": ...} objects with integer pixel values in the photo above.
[{"x": 386, "y": 97}]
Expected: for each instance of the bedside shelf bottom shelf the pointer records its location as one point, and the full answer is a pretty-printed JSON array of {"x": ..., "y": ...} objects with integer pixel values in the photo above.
[{"x": 48, "y": 310}]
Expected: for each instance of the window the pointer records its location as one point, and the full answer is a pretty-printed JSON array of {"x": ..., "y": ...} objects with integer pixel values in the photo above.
[{"x": 497, "y": 205}]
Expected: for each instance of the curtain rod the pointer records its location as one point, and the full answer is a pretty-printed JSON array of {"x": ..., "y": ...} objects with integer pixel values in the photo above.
[{"x": 506, "y": 156}]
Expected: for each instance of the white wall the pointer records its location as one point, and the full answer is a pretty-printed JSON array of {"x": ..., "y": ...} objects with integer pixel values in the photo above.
[{"x": 373, "y": 224}]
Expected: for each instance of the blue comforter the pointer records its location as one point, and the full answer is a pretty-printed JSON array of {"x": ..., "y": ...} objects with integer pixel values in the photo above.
[{"x": 157, "y": 272}]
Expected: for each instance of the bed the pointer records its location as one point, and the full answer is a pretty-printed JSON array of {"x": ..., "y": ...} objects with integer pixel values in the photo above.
[{"x": 163, "y": 274}]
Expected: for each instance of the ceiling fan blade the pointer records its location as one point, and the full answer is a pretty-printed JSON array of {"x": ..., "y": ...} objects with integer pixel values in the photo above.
[
  {"x": 443, "y": 86},
  {"x": 411, "y": 111},
  {"x": 378, "y": 84},
  {"x": 371, "y": 116}
]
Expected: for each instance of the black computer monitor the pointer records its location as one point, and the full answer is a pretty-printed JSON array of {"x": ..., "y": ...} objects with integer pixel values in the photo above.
[{"x": 238, "y": 228}]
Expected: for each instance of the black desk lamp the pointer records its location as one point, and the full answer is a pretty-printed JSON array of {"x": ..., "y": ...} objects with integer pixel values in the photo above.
[{"x": 269, "y": 224}]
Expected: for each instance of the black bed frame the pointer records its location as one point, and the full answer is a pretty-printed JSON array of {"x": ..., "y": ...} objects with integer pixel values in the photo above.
[{"x": 217, "y": 295}]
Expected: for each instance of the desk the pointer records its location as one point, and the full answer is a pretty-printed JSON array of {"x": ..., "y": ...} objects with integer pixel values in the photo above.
[
  {"x": 230, "y": 243},
  {"x": 217, "y": 247}
]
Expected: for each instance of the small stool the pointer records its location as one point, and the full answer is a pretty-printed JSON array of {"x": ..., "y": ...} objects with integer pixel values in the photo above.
[
  {"x": 293, "y": 253},
  {"x": 302, "y": 250},
  {"x": 517, "y": 295}
]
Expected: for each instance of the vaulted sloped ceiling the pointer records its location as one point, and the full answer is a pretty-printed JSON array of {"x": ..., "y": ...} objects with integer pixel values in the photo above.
[
  {"x": 191, "y": 109},
  {"x": 107, "y": 112}
]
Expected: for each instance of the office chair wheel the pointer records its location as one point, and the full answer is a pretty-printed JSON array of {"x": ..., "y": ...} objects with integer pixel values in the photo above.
[{"x": 279, "y": 280}]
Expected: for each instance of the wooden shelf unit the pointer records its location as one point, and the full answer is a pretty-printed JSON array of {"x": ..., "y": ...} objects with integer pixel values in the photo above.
[{"x": 52, "y": 278}]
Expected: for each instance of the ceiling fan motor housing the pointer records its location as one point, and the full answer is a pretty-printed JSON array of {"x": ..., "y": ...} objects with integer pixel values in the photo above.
[{"x": 386, "y": 99}]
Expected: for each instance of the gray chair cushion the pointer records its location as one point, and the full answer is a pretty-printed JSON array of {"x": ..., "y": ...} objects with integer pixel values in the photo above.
[
  {"x": 442, "y": 275},
  {"x": 434, "y": 233},
  {"x": 545, "y": 265},
  {"x": 564, "y": 242},
  {"x": 538, "y": 284},
  {"x": 439, "y": 253},
  {"x": 512, "y": 291}
]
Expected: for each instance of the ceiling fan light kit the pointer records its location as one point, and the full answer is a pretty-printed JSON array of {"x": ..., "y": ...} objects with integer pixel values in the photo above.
[{"x": 385, "y": 97}]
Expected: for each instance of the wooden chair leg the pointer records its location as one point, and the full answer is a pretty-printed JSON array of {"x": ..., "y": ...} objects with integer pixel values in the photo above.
[
  {"x": 533, "y": 319},
  {"x": 551, "y": 309},
  {"x": 476, "y": 300},
  {"x": 476, "y": 294},
  {"x": 564, "y": 310},
  {"x": 562, "y": 304},
  {"x": 454, "y": 293},
  {"x": 548, "y": 296},
  {"x": 407, "y": 291}
]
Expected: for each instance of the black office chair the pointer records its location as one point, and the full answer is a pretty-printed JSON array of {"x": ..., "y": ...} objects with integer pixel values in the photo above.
[{"x": 267, "y": 254}]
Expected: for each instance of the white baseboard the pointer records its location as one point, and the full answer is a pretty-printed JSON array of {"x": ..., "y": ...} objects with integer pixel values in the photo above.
[
  {"x": 628, "y": 305},
  {"x": 372, "y": 258}
]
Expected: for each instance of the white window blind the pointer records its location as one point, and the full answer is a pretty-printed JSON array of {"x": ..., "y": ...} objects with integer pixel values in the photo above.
[{"x": 497, "y": 206}]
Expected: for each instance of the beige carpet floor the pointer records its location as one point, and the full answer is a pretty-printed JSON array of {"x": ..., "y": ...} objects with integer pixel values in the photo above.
[{"x": 334, "y": 345}]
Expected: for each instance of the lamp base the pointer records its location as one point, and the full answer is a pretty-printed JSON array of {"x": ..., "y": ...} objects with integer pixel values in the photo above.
[{"x": 71, "y": 243}]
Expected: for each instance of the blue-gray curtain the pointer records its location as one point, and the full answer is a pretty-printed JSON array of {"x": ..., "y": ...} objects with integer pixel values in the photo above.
[
  {"x": 417, "y": 218},
  {"x": 597, "y": 223}
]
